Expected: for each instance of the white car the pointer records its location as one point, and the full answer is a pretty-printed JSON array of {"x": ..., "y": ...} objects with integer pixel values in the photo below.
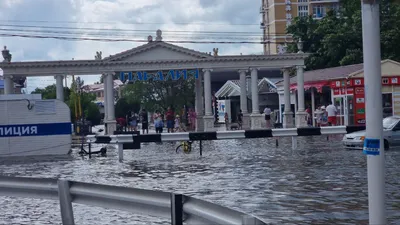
[{"x": 391, "y": 135}]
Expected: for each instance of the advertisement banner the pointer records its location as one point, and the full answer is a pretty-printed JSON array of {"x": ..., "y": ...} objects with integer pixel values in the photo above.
[
  {"x": 359, "y": 106},
  {"x": 396, "y": 104}
]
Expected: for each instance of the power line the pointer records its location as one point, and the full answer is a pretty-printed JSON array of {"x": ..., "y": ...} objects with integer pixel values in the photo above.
[
  {"x": 137, "y": 23},
  {"x": 115, "y": 29},
  {"x": 115, "y": 34},
  {"x": 124, "y": 40}
]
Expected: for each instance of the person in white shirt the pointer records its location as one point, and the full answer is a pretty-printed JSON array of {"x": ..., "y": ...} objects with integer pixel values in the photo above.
[
  {"x": 331, "y": 110},
  {"x": 267, "y": 113}
]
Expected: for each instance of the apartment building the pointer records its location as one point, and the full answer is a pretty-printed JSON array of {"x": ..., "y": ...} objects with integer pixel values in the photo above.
[{"x": 279, "y": 14}]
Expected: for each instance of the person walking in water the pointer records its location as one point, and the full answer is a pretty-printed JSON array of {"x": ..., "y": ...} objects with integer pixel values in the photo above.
[
  {"x": 267, "y": 115},
  {"x": 170, "y": 120},
  {"x": 145, "y": 121},
  {"x": 240, "y": 119},
  {"x": 332, "y": 112}
]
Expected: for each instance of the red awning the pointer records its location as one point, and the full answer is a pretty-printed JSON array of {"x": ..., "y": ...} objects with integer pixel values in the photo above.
[{"x": 315, "y": 84}]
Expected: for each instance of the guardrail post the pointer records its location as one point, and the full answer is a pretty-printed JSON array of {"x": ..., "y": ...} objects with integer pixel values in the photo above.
[
  {"x": 294, "y": 143},
  {"x": 120, "y": 152},
  {"x": 176, "y": 209},
  {"x": 248, "y": 220},
  {"x": 67, "y": 213}
]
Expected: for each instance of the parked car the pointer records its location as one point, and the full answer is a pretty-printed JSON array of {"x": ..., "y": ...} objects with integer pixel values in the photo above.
[{"x": 391, "y": 135}]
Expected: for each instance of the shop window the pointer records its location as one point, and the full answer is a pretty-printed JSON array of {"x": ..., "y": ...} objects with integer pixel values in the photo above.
[{"x": 387, "y": 105}]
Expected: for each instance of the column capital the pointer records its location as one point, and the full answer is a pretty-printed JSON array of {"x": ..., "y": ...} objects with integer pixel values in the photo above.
[
  {"x": 301, "y": 66},
  {"x": 286, "y": 69},
  {"x": 207, "y": 70},
  {"x": 243, "y": 70},
  {"x": 8, "y": 76},
  {"x": 254, "y": 69},
  {"x": 59, "y": 75}
]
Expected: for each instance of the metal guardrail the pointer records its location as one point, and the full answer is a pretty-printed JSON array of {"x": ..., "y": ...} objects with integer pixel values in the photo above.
[{"x": 179, "y": 208}]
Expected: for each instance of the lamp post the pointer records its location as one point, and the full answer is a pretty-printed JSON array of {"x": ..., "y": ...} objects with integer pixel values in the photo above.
[{"x": 373, "y": 143}]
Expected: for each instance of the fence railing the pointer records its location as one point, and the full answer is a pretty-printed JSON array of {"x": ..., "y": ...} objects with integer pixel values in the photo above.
[
  {"x": 176, "y": 207},
  {"x": 135, "y": 138}
]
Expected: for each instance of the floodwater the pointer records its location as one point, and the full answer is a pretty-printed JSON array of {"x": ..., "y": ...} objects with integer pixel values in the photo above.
[{"x": 319, "y": 183}]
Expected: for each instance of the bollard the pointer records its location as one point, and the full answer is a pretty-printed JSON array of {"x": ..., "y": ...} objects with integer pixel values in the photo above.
[
  {"x": 90, "y": 150},
  {"x": 67, "y": 213},
  {"x": 201, "y": 148},
  {"x": 294, "y": 143},
  {"x": 120, "y": 152}
]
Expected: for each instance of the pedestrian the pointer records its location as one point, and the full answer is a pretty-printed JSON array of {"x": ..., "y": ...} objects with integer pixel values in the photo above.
[
  {"x": 267, "y": 115},
  {"x": 134, "y": 119},
  {"x": 332, "y": 112},
  {"x": 177, "y": 123},
  {"x": 145, "y": 121},
  {"x": 192, "y": 118},
  {"x": 159, "y": 125},
  {"x": 170, "y": 120},
  {"x": 240, "y": 119}
]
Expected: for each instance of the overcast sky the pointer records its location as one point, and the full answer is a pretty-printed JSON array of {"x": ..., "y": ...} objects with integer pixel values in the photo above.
[{"x": 167, "y": 15}]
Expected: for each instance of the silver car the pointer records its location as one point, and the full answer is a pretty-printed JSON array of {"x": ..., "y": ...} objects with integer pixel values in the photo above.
[{"x": 391, "y": 135}]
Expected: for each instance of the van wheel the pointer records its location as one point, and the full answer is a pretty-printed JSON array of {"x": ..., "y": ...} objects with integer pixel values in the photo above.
[{"x": 386, "y": 144}]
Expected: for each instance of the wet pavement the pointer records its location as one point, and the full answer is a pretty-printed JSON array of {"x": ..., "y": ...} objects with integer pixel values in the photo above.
[{"x": 318, "y": 183}]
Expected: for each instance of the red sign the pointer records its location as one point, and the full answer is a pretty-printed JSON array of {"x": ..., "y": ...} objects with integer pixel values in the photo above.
[
  {"x": 359, "y": 105},
  {"x": 342, "y": 91},
  {"x": 359, "y": 82}
]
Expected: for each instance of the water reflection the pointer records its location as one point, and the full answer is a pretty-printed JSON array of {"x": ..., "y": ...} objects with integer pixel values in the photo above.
[{"x": 319, "y": 183}]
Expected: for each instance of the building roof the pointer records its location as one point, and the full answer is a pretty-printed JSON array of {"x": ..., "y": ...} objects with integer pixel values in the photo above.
[
  {"x": 326, "y": 74},
  {"x": 100, "y": 87},
  {"x": 232, "y": 87}
]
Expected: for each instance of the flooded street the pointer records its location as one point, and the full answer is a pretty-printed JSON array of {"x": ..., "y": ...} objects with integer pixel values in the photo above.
[{"x": 319, "y": 183}]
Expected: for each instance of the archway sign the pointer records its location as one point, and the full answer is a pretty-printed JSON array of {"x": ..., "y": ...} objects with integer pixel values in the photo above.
[{"x": 159, "y": 75}]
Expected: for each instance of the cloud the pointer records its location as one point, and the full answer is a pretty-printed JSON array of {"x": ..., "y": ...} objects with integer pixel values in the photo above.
[{"x": 167, "y": 15}]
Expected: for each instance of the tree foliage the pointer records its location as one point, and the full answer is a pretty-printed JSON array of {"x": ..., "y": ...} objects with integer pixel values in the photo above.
[
  {"x": 159, "y": 95},
  {"x": 123, "y": 107},
  {"x": 337, "y": 40},
  {"x": 50, "y": 92},
  {"x": 89, "y": 108}
]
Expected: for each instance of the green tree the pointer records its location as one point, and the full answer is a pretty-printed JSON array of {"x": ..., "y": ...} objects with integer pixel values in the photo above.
[
  {"x": 159, "y": 95},
  {"x": 337, "y": 40},
  {"x": 50, "y": 92},
  {"x": 123, "y": 107}
]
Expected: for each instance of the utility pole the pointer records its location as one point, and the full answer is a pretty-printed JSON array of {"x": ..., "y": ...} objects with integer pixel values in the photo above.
[{"x": 373, "y": 143}]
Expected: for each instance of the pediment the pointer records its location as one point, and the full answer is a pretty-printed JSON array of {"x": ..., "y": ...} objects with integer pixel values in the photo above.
[{"x": 158, "y": 50}]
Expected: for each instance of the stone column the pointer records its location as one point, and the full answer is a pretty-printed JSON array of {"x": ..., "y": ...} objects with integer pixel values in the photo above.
[
  {"x": 199, "y": 103},
  {"x": 8, "y": 85},
  {"x": 287, "y": 114},
  {"x": 301, "y": 115},
  {"x": 105, "y": 119},
  {"x": 111, "y": 122},
  {"x": 59, "y": 87},
  {"x": 208, "y": 117},
  {"x": 243, "y": 99},
  {"x": 256, "y": 119}
]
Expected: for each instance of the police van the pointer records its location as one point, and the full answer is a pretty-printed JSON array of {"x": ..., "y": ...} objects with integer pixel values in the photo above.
[{"x": 30, "y": 126}]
